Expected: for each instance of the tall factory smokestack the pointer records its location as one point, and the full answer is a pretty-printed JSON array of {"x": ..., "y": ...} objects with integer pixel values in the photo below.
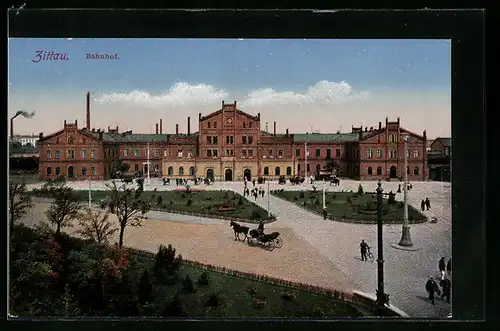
[
  {"x": 161, "y": 126},
  {"x": 156, "y": 128},
  {"x": 88, "y": 111},
  {"x": 177, "y": 129},
  {"x": 274, "y": 128},
  {"x": 189, "y": 125}
]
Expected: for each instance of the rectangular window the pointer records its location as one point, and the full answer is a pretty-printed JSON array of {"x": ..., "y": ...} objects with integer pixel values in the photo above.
[
  {"x": 244, "y": 125},
  {"x": 250, "y": 153},
  {"x": 215, "y": 140},
  {"x": 157, "y": 152},
  {"x": 209, "y": 140},
  {"x": 297, "y": 152},
  {"x": 208, "y": 125},
  {"x": 49, "y": 171},
  {"x": 415, "y": 154},
  {"x": 215, "y": 125},
  {"x": 408, "y": 153},
  {"x": 179, "y": 153},
  {"x": 229, "y": 140},
  {"x": 146, "y": 152},
  {"x": 137, "y": 152},
  {"x": 228, "y": 152},
  {"x": 392, "y": 153},
  {"x": 71, "y": 155},
  {"x": 280, "y": 153},
  {"x": 337, "y": 152},
  {"x": 209, "y": 153},
  {"x": 244, "y": 140},
  {"x": 92, "y": 154},
  {"x": 92, "y": 171},
  {"x": 215, "y": 153},
  {"x": 250, "y": 140},
  {"x": 125, "y": 152},
  {"x": 190, "y": 154},
  {"x": 270, "y": 152},
  {"x": 165, "y": 153},
  {"x": 58, "y": 155},
  {"x": 250, "y": 124},
  {"x": 84, "y": 154},
  {"x": 49, "y": 154},
  {"x": 379, "y": 153},
  {"x": 328, "y": 153},
  {"x": 136, "y": 167},
  {"x": 369, "y": 153},
  {"x": 318, "y": 152},
  {"x": 244, "y": 153}
]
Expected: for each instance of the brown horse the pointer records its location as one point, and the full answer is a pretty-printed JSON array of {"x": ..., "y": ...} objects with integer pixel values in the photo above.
[{"x": 239, "y": 229}]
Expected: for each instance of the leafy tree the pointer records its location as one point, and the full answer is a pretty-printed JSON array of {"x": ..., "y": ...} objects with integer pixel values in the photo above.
[
  {"x": 67, "y": 304},
  {"x": 175, "y": 308},
  {"x": 334, "y": 165},
  {"x": 127, "y": 205},
  {"x": 65, "y": 208},
  {"x": 203, "y": 279},
  {"x": 95, "y": 226},
  {"x": 19, "y": 203},
  {"x": 166, "y": 262},
  {"x": 144, "y": 288},
  {"x": 187, "y": 284}
]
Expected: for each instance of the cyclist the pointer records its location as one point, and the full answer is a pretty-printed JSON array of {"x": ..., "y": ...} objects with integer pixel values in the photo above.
[{"x": 364, "y": 249}]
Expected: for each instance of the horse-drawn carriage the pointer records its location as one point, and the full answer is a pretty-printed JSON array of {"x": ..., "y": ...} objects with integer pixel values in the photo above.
[
  {"x": 269, "y": 241},
  {"x": 297, "y": 180}
]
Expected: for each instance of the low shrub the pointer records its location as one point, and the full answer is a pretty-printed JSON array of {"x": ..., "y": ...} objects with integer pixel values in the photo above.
[
  {"x": 203, "y": 279},
  {"x": 189, "y": 202},
  {"x": 213, "y": 300},
  {"x": 240, "y": 201},
  {"x": 259, "y": 301},
  {"x": 289, "y": 295},
  {"x": 349, "y": 200},
  {"x": 183, "y": 195},
  {"x": 252, "y": 290},
  {"x": 295, "y": 198},
  {"x": 316, "y": 201},
  {"x": 187, "y": 284},
  {"x": 301, "y": 195}
]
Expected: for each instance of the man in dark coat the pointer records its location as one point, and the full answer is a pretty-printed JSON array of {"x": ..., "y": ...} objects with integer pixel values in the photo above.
[
  {"x": 448, "y": 267},
  {"x": 325, "y": 214},
  {"x": 446, "y": 285},
  {"x": 261, "y": 227},
  {"x": 422, "y": 205},
  {"x": 364, "y": 248},
  {"x": 428, "y": 203},
  {"x": 442, "y": 267},
  {"x": 430, "y": 287}
]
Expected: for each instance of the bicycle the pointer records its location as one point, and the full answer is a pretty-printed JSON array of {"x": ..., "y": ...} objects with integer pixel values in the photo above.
[{"x": 370, "y": 256}]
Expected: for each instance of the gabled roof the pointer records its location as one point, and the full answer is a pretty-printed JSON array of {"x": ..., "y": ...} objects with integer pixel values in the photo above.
[
  {"x": 239, "y": 112},
  {"x": 325, "y": 137},
  {"x": 445, "y": 141}
]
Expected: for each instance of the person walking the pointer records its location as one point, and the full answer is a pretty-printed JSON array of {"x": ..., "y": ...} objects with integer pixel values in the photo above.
[
  {"x": 446, "y": 286},
  {"x": 325, "y": 213},
  {"x": 428, "y": 203},
  {"x": 422, "y": 205},
  {"x": 263, "y": 192},
  {"x": 430, "y": 287},
  {"x": 442, "y": 267},
  {"x": 448, "y": 267},
  {"x": 364, "y": 248}
]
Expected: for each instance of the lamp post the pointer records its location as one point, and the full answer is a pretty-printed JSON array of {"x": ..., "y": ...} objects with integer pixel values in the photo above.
[
  {"x": 305, "y": 162},
  {"x": 382, "y": 298},
  {"x": 405, "y": 236},
  {"x": 268, "y": 201},
  {"x": 149, "y": 170},
  {"x": 90, "y": 193},
  {"x": 324, "y": 194}
]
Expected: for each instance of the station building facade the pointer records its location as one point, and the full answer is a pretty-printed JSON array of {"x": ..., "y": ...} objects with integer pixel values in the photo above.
[{"x": 229, "y": 146}]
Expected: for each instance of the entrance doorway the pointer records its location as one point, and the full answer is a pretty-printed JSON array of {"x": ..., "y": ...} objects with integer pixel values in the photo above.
[
  {"x": 210, "y": 174},
  {"x": 247, "y": 174},
  {"x": 71, "y": 172},
  {"x": 228, "y": 175},
  {"x": 393, "y": 172}
]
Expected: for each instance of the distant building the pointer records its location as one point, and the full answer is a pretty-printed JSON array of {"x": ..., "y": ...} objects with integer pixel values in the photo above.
[
  {"x": 439, "y": 160},
  {"x": 25, "y": 139}
]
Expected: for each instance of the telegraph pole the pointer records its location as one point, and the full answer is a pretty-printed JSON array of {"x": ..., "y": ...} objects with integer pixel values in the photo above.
[
  {"x": 305, "y": 162},
  {"x": 405, "y": 236},
  {"x": 268, "y": 201},
  {"x": 149, "y": 170},
  {"x": 324, "y": 194}
]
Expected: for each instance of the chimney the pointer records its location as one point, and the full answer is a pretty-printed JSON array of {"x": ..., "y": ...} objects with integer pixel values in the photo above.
[
  {"x": 199, "y": 116},
  {"x": 156, "y": 128},
  {"x": 177, "y": 129},
  {"x": 398, "y": 121},
  {"x": 76, "y": 123},
  {"x": 371, "y": 128},
  {"x": 360, "y": 134},
  {"x": 64, "y": 122},
  {"x": 88, "y": 110},
  {"x": 40, "y": 136},
  {"x": 117, "y": 129},
  {"x": 93, "y": 129},
  {"x": 366, "y": 129},
  {"x": 425, "y": 135},
  {"x": 161, "y": 126},
  {"x": 287, "y": 132},
  {"x": 189, "y": 125},
  {"x": 386, "y": 121},
  {"x": 108, "y": 129},
  {"x": 258, "y": 116},
  {"x": 235, "y": 104},
  {"x": 222, "y": 103},
  {"x": 380, "y": 125},
  {"x": 274, "y": 127},
  {"x": 12, "y": 127}
]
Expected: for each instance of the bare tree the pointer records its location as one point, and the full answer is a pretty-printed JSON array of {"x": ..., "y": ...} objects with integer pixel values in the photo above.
[
  {"x": 64, "y": 209},
  {"x": 127, "y": 205},
  {"x": 19, "y": 203},
  {"x": 96, "y": 226}
]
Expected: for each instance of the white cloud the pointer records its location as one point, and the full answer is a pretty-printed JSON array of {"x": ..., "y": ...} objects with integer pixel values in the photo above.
[
  {"x": 181, "y": 94},
  {"x": 321, "y": 93}
]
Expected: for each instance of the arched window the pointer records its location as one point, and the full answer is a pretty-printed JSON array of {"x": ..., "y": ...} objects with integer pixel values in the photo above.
[
  {"x": 58, "y": 171},
  {"x": 191, "y": 171},
  {"x": 170, "y": 171},
  {"x": 379, "y": 171},
  {"x": 181, "y": 171},
  {"x": 288, "y": 171},
  {"x": 277, "y": 171},
  {"x": 84, "y": 171},
  {"x": 266, "y": 171},
  {"x": 415, "y": 171},
  {"x": 49, "y": 171},
  {"x": 370, "y": 171},
  {"x": 70, "y": 140}
]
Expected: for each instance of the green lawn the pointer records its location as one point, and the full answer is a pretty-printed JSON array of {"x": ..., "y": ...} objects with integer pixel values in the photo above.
[
  {"x": 236, "y": 301},
  {"x": 362, "y": 209},
  {"x": 202, "y": 202}
]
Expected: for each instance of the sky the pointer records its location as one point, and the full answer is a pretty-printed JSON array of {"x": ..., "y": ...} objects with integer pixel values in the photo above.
[{"x": 324, "y": 85}]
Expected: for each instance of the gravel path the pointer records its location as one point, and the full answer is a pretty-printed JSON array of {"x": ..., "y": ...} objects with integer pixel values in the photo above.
[{"x": 318, "y": 251}]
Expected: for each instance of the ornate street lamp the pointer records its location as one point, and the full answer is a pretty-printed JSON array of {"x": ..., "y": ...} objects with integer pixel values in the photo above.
[{"x": 405, "y": 236}]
